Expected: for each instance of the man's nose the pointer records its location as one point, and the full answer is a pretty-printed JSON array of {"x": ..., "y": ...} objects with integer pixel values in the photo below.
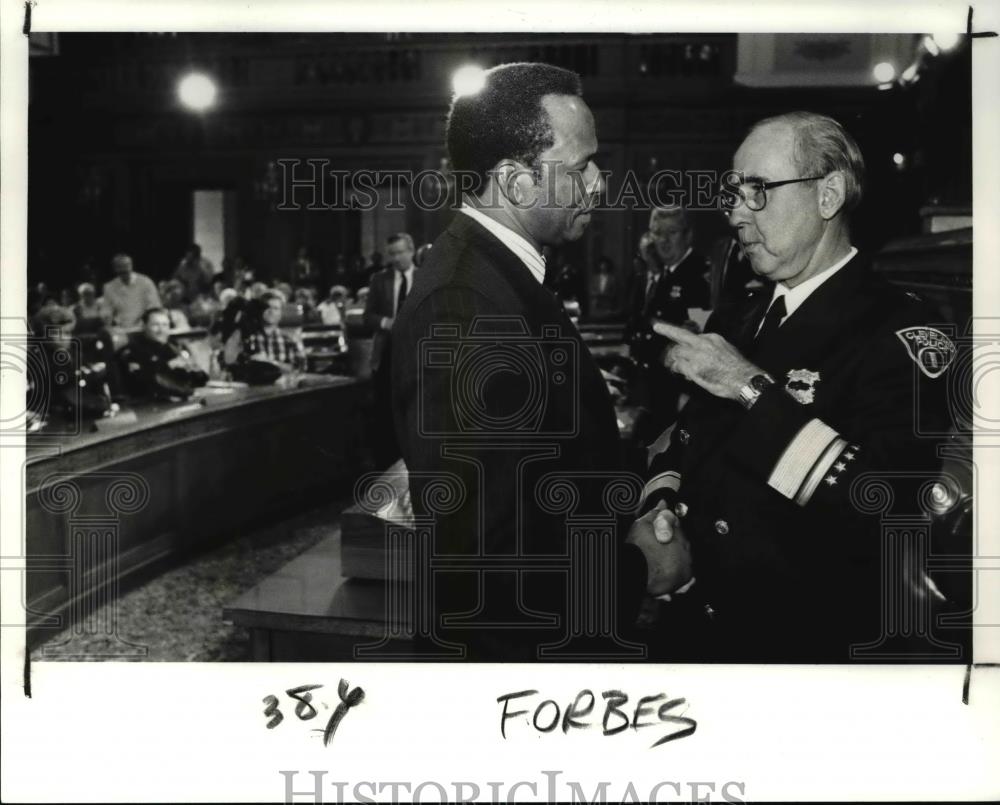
[{"x": 740, "y": 214}]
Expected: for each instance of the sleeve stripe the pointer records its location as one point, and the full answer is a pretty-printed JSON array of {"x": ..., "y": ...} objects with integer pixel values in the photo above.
[
  {"x": 665, "y": 480},
  {"x": 800, "y": 457},
  {"x": 819, "y": 470}
]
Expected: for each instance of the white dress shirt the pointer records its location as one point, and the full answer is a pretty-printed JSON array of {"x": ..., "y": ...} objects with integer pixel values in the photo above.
[
  {"x": 527, "y": 253},
  {"x": 794, "y": 297}
]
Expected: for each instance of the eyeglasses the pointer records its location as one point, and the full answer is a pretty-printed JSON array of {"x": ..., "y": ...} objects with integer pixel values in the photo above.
[{"x": 753, "y": 194}]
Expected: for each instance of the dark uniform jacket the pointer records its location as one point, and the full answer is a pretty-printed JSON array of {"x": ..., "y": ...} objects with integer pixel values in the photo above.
[
  {"x": 147, "y": 373},
  {"x": 493, "y": 385},
  {"x": 785, "y": 532},
  {"x": 685, "y": 287}
]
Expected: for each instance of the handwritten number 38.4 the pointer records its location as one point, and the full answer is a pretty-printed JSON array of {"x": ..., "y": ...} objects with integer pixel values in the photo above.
[{"x": 305, "y": 711}]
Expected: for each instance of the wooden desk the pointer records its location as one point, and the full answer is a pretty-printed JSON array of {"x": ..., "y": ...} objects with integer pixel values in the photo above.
[
  {"x": 102, "y": 505},
  {"x": 309, "y": 612}
]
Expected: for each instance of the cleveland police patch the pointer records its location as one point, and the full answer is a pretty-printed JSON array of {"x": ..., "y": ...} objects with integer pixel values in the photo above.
[{"x": 929, "y": 348}]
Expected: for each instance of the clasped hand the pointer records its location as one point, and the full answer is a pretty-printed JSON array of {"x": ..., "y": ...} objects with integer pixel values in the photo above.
[{"x": 659, "y": 536}]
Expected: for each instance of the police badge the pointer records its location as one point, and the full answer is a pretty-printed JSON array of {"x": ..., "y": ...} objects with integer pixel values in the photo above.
[
  {"x": 802, "y": 385},
  {"x": 929, "y": 348}
]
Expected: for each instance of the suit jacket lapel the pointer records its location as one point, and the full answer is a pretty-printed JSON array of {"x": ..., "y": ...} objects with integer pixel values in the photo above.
[{"x": 504, "y": 268}]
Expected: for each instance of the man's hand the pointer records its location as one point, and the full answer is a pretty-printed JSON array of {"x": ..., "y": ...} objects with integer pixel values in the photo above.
[
  {"x": 668, "y": 555},
  {"x": 708, "y": 360}
]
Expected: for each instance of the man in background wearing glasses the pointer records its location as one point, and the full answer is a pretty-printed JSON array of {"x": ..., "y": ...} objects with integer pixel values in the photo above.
[{"x": 802, "y": 389}]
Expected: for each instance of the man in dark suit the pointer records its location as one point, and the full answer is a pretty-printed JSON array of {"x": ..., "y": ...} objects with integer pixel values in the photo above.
[
  {"x": 806, "y": 393},
  {"x": 495, "y": 393},
  {"x": 386, "y": 293}
]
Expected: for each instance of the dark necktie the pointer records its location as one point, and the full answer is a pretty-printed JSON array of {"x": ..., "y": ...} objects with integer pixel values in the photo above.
[
  {"x": 402, "y": 293},
  {"x": 652, "y": 281},
  {"x": 769, "y": 329}
]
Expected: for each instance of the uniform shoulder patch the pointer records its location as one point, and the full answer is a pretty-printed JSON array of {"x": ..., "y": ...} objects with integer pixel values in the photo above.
[{"x": 929, "y": 348}]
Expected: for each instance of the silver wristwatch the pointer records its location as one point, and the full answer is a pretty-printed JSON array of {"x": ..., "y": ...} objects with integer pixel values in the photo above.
[{"x": 753, "y": 389}]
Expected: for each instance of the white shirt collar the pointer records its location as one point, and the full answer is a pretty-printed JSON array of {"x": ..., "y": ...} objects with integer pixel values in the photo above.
[
  {"x": 527, "y": 253},
  {"x": 794, "y": 297},
  {"x": 670, "y": 269}
]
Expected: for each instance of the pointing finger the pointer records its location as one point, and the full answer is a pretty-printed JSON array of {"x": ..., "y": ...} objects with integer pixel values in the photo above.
[{"x": 675, "y": 333}]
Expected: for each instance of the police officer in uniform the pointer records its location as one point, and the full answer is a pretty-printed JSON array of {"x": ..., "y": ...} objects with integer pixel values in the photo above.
[
  {"x": 802, "y": 392},
  {"x": 155, "y": 368},
  {"x": 676, "y": 282}
]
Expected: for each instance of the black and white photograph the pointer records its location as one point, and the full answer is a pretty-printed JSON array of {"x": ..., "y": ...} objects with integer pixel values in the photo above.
[{"x": 578, "y": 402}]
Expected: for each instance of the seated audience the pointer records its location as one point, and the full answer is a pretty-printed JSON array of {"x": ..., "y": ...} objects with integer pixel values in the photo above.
[
  {"x": 202, "y": 310},
  {"x": 270, "y": 343},
  {"x": 195, "y": 273},
  {"x": 173, "y": 302},
  {"x": 331, "y": 309},
  {"x": 91, "y": 313},
  {"x": 66, "y": 382},
  {"x": 305, "y": 298},
  {"x": 68, "y": 297},
  {"x": 129, "y": 294},
  {"x": 303, "y": 269},
  {"x": 155, "y": 368}
]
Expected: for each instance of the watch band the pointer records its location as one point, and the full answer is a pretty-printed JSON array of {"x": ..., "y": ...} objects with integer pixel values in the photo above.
[{"x": 753, "y": 389}]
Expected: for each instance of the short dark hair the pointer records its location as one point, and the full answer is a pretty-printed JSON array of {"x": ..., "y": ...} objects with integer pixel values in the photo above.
[
  {"x": 152, "y": 310},
  {"x": 268, "y": 296},
  {"x": 505, "y": 119},
  {"x": 400, "y": 236}
]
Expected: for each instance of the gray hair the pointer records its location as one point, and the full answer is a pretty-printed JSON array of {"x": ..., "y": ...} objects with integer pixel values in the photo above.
[
  {"x": 822, "y": 146},
  {"x": 660, "y": 213}
]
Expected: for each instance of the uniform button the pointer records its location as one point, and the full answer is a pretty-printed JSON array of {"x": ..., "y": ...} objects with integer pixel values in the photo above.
[
  {"x": 681, "y": 509},
  {"x": 722, "y": 527},
  {"x": 709, "y": 611},
  {"x": 684, "y": 436}
]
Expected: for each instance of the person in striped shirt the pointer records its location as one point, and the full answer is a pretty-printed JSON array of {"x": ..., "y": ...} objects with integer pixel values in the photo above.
[{"x": 270, "y": 342}]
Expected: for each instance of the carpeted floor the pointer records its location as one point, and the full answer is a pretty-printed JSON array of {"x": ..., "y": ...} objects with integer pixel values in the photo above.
[{"x": 177, "y": 616}]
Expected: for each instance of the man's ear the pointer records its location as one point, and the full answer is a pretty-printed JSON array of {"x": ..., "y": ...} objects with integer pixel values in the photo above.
[
  {"x": 516, "y": 182},
  {"x": 832, "y": 194}
]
